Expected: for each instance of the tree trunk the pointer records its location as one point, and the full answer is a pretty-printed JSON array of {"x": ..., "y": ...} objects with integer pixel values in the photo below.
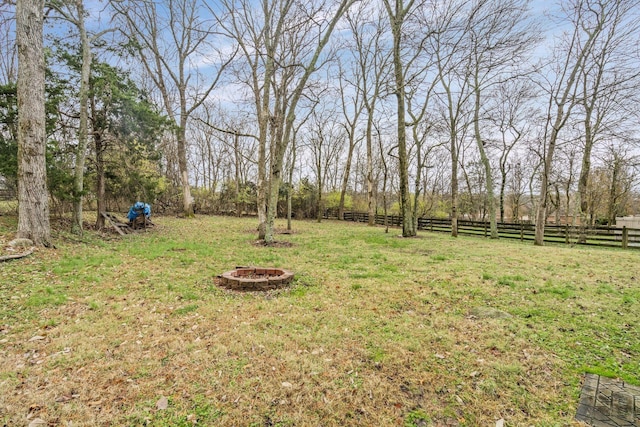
[
  {"x": 345, "y": 178},
  {"x": 371, "y": 203},
  {"x": 100, "y": 186},
  {"x": 319, "y": 204},
  {"x": 236, "y": 151},
  {"x": 385, "y": 170},
  {"x": 405, "y": 195},
  {"x": 181, "y": 137},
  {"x": 491, "y": 202},
  {"x": 272, "y": 206},
  {"x": 612, "y": 204},
  {"x": 585, "y": 170},
  {"x": 548, "y": 160},
  {"x": 501, "y": 202},
  {"x": 283, "y": 137},
  {"x": 454, "y": 184},
  {"x": 290, "y": 188},
  {"x": 81, "y": 151},
  {"x": 33, "y": 195},
  {"x": 289, "y": 204},
  {"x": 541, "y": 216},
  {"x": 419, "y": 185}
]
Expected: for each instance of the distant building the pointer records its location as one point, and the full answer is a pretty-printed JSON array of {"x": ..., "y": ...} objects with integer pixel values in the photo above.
[{"x": 631, "y": 221}]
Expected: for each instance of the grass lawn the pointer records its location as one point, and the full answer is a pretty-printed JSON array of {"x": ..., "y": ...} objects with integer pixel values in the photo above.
[{"x": 376, "y": 330}]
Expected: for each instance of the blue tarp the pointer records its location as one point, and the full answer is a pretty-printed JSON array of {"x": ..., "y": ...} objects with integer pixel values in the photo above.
[{"x": 138, "y": 209}]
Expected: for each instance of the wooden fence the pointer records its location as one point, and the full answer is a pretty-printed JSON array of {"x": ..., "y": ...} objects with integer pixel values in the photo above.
[
  {"x": 6, "y": 194},
  {"x": 594, "y": 236}
]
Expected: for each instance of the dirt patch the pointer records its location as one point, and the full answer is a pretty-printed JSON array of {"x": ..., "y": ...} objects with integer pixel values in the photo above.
[
  {"x": 276, "y": 231},
  {"x": 284, "y": 231},
  {"x": 417, "y": 236},
  {"x": 273, "y": 244}
]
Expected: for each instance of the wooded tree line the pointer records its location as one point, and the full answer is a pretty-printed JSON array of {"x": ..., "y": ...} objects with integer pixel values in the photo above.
[{"x": 483, "y": 109}]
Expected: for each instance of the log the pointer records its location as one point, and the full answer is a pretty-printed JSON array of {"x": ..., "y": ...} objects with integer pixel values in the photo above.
[{"x": 16, "y": 256}]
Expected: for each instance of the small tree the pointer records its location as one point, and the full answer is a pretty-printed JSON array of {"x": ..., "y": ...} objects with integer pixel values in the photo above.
[{"x": 126, "y": 128}]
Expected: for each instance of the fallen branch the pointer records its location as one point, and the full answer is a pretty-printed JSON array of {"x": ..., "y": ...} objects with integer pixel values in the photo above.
[{"x": 16, "y": 256}]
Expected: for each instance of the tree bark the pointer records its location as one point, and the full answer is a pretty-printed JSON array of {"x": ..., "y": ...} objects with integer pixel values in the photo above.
[
  {"x": 100, "y": 181},
  {"x": 81, "y": 151},
  {"x": 236, "y": 153},
  {"x": 397, "y": 19},
  {"x": 187, "y": 200},
  {"x": 613, "y": 198},
  {"x": 503, "y": 183},
  {"x": 371, "y": 201},
  {"x": 33, "y": 195},
  {"x": 454, "y": 182},
  {"x": 491, "y": 202},
  {"x": 347, "y": 173},
  {"x": 290, "y": 186}
]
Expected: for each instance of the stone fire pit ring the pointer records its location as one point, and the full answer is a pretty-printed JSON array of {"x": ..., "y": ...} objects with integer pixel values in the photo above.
[{"x": 255, "y": 278}]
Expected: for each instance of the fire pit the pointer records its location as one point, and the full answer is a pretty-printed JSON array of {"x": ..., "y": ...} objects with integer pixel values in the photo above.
[{"x": 255, "y": 278}]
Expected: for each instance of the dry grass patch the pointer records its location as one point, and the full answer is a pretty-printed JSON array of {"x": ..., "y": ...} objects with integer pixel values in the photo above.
[{"x": 375, "y": 329}]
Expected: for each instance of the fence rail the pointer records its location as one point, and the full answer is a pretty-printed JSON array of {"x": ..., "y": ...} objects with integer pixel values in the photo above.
[
  {"x": 592, "y": 236},
  {"x": 6, "y": 194}
]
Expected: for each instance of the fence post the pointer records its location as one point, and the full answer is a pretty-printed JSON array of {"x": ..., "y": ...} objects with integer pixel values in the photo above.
[
  {"x": 485, "y": 229},
  {"x": 566, "y": 233},
  {"x": 521, "y": 232},
  {"x": 625, "y": 237}
]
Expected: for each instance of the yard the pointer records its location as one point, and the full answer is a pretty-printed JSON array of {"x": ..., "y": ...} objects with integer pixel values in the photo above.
[{"x": 375, "y": 329}]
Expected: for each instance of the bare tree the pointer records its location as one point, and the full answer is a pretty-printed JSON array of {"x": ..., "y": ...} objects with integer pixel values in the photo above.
[
  {"x": 352, "y": 106},
  {"x": 385, "y": 179},
  {"x": 448, "y": 45},
  {"x": 170, "y": 36},
  {"x": 281, "y": 42},
  {"x": 588, "y": 20},
  {"x": 289, "y": 105},
  {"x": 291, "y": 166},
  {"x": 498, "y": 37},
  {"x": 420, "y": 90},
  {"x": 609, "y": 80},
  {"x": 421, "y": 127},
  {"x": 256, "y": 30},
  {"x": 435, "y": 179},
  {"x": 325, "y": 139},
  {"x": 371, "y": 62},
  {"x": 399, "y": 19},
  {"x": 516, "y": 188},
  {"x": 511, "y": 118},
  {"x": 33, "y": 196},
  {"x": 238, "y": 139},
  {"x": 620, "y": 163}
]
